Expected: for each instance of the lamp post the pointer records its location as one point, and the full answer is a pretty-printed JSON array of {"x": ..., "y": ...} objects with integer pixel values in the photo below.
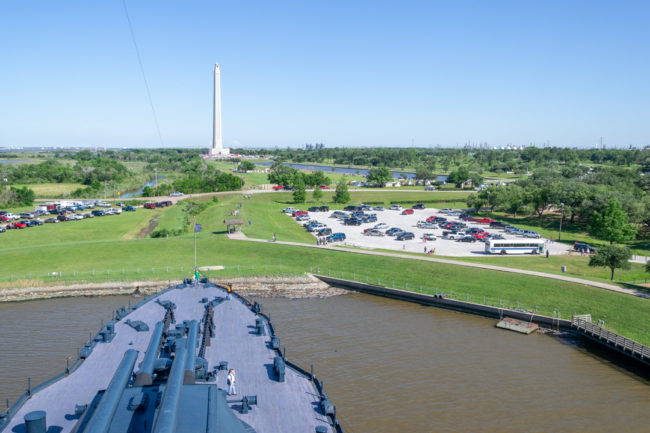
[
  {"x": 559, "y": 238},
  {"x": 488, "y": 203}
]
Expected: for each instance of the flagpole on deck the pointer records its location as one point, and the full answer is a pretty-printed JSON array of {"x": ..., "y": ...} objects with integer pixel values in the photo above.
[{"x": 195, "y": 244}]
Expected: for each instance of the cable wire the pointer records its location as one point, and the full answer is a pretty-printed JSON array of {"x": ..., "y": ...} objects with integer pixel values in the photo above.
[{"x": 144, "y": 77}]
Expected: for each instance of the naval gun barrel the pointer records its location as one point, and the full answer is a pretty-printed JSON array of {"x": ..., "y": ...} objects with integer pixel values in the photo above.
[
  {"x": 100, "y": 422},
  {"x": 191, "y": 352},
  {"x": 166, "y": 421},
  {"x": 144, "y": 376}
]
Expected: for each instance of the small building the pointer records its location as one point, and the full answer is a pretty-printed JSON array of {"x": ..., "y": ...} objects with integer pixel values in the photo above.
[{"x": 233, "y": 225}]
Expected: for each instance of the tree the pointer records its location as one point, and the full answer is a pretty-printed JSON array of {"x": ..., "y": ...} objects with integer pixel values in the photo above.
[
  {"x": 246, "y": 166},
  {"x": 459, "y": 176},
  {"x": 647, "y": 267},
  {"x": 342, "y": 195},
  {"x": 317, "y": 194},
  {"x": 281, "y": 174},
  {"x": 611, "y": 225},
  {"x": 423, "y": 172},
  {"x": 299, "y": 193},
  {"x": 379, "y": 176},
  {"x": 612, "y": 257}
]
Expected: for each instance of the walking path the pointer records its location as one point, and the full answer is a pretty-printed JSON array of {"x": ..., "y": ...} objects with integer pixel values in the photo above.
[{"x": 242, "y": 237}]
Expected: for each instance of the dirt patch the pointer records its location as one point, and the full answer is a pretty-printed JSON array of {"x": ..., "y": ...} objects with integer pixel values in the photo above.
[
  {"x": 146, "y": 230},
  {"x": 304, "y": 287}
]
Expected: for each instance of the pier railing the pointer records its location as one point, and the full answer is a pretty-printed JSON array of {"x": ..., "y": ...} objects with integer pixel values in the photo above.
[{"x": 617, "y": 342}]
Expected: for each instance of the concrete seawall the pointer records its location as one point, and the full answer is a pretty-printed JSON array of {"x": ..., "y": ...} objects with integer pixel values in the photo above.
[{"x": 450, "y": 304}]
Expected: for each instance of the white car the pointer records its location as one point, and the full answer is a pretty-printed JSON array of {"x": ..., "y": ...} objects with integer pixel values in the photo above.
[
  {"x": 176, "y": 194},
  {"x": 445, "y": 210},
  {"x": 453, "y": 213},
  {"x": 76, "y": 217},
  {"x": 117, "y": 211},
  {"x": 395, "y": 207},
  {"x": 429, "y": 237},
  {"x": 380, "y": 226},
  {"x": 289, "y": 209}
]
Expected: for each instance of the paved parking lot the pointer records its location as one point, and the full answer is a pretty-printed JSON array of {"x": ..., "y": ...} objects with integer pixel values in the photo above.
[{"x": 444, "y": 247}]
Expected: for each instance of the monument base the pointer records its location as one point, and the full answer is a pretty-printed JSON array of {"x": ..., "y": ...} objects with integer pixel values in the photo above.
[{"x": 219, "y": 153}]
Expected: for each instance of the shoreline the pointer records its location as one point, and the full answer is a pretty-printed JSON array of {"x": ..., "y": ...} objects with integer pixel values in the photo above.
[{"x": 291, "y": 288}]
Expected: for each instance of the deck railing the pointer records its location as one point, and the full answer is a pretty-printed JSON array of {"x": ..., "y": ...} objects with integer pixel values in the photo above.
[{"x": 617, "y": 341}]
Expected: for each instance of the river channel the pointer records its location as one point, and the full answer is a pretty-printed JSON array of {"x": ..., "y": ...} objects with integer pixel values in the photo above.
[{"x": 389, "y": 366}]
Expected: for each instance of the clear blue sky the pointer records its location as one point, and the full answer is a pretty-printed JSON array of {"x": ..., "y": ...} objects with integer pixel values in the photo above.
[{"x": 344, "y": 73}]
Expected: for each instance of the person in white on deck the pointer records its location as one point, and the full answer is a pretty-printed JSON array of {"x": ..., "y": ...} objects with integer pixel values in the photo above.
[{"x": 231, "y": 382}]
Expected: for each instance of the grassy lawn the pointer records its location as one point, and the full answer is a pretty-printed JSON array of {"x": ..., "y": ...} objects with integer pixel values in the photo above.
[
  {"x": 47, "y": 190},
  {"x": 106, "y": 228},
  {"x": 105, "y": 249}
]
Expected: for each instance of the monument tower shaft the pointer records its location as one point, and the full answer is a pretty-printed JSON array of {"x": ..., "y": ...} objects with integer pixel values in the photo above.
[{"x": 217, "y": 143}]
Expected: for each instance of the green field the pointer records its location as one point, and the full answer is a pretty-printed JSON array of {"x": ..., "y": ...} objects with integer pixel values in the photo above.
[
  {"x": 53, "y": 190},
  {"x": 107, "y": 248}
]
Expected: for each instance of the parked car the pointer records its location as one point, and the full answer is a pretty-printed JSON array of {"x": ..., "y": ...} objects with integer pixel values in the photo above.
[
  {"x": 129, "y": 209},
  {"x": 324, "y": 232},
  {"x": 509, "y": 229},
  {"x": 302, "y": 217},
  {"x": 149, "y": 206},
  {"x": 176, "y": 194},
  {"x": 445, "y": 210},
  {"x": 419, "y": 206},
  {"x": 374, "y": 232},
  {"x": 583, "y": 247},
  {"x": 394, "y": 231},
  {"x": 381, "y": 226},
  {"x": 2, "y": 229},
  {"x": 324, "y": 208},
  {"x": 75, "y": 217},
  {"x": 405, "y": 236},
  {"x": 497, "y": 224},
  {"x": 88, "y": 215},
  {"x": 395, "y": 207},
  {"x": 517, "y": 232},
  {"x": 51, "y": 220},
  {"x": 407, "y": 212},
  {"x": 352, "y": 208},
  {"x": 480, "y": 235},
  {"x": 63, "y": 218},
  {"x": 336, "y": 237},
  {"x": 352, "y": 222},
  {"x": 429, "y": 237},
  {"x": 324, "y": 187},
  {"x": 314, "y": 209},
  {"x": 37, "y": 222},
  {"x": 531, "y": 234},
  {"x": 28, "y": 215},
  {"x": 103, "y": 204},
  {"x": 289, "y": 210},
  {"x": 453, "y": 213},
  {"x": 338, "y": 214},
  {"x": 454, "y": 235},
  {"x": 297, "y": 213},
  {"x": 430, "y": 188},
  {"x": 98, "y": 212},
  {"x": 466, "y": 239},
  {"x": 484, "y": 220},
  {"x": 365, "y": 207},
  {"x": 369, "y": 219},
  {"x": 378, "y": 208}
]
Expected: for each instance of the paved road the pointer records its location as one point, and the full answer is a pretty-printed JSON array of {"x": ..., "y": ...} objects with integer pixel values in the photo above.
[{"x": 242, "y": 237}]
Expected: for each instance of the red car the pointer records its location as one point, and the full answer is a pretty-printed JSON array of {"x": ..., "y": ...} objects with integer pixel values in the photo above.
[
  {"x": 324, "y": 187},
  {"x": 149, "y": 205},
  {"x": 480, "y": 235},
  {"x": 407, "y": 211},
  {"x": 468, "y": 218},
  {"x": 484, "y": 220},
  {"x": 277, "y": 187},
  {"x": 16, "y": 226},
  {"x": 298, "y": 213}
]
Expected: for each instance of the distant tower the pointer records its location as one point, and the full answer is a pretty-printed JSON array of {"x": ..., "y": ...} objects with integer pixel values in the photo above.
[{"x": 217, "y": 143}]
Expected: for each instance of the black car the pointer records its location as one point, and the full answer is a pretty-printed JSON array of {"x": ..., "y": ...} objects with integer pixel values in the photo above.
[
  {"x": 324, "y": 232},
  {"x": 51, "y": 220},
  {"x": 352, "y": 222},
  {"x": 37, "y": 222},
  {"x": 129, "y": 209},
  {"x": 314, "y": 209},
  {"x": 419, "y": 206},
  {"x": 351, "y": 208},
  {"x": 370, "y": 219},
  {"x": 324, "y": 208},
  {"x": 497, "y": 224},
  {"x": 467, "y": 239},
  {"x": 99, "y": 213},
  {"x": 583, "y": 247},
  {"x": 406, "y": 236},
  {"x": 63, "y": 218}
]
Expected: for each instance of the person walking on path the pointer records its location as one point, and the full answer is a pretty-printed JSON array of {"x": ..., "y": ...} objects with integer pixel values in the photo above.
[
  {"x": 274, "y": 238},
  {"x": 231, "y": 382}
]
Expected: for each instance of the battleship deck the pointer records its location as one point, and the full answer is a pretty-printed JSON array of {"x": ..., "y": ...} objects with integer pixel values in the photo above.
[{"x": 288, "y": 406}]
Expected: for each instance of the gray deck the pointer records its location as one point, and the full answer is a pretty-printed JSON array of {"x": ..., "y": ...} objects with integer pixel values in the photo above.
[{"x": 290, "y": 406}]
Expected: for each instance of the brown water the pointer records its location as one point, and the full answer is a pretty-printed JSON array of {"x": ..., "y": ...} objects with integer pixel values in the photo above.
[{"x": 389, "y": 366}]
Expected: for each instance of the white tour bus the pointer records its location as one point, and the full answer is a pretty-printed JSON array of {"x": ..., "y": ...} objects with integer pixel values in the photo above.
[{"x": 515, "y": 246}]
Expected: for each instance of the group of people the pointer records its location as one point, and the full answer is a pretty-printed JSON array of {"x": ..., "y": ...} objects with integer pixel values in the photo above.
[{"x": 321, "y": 241}]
